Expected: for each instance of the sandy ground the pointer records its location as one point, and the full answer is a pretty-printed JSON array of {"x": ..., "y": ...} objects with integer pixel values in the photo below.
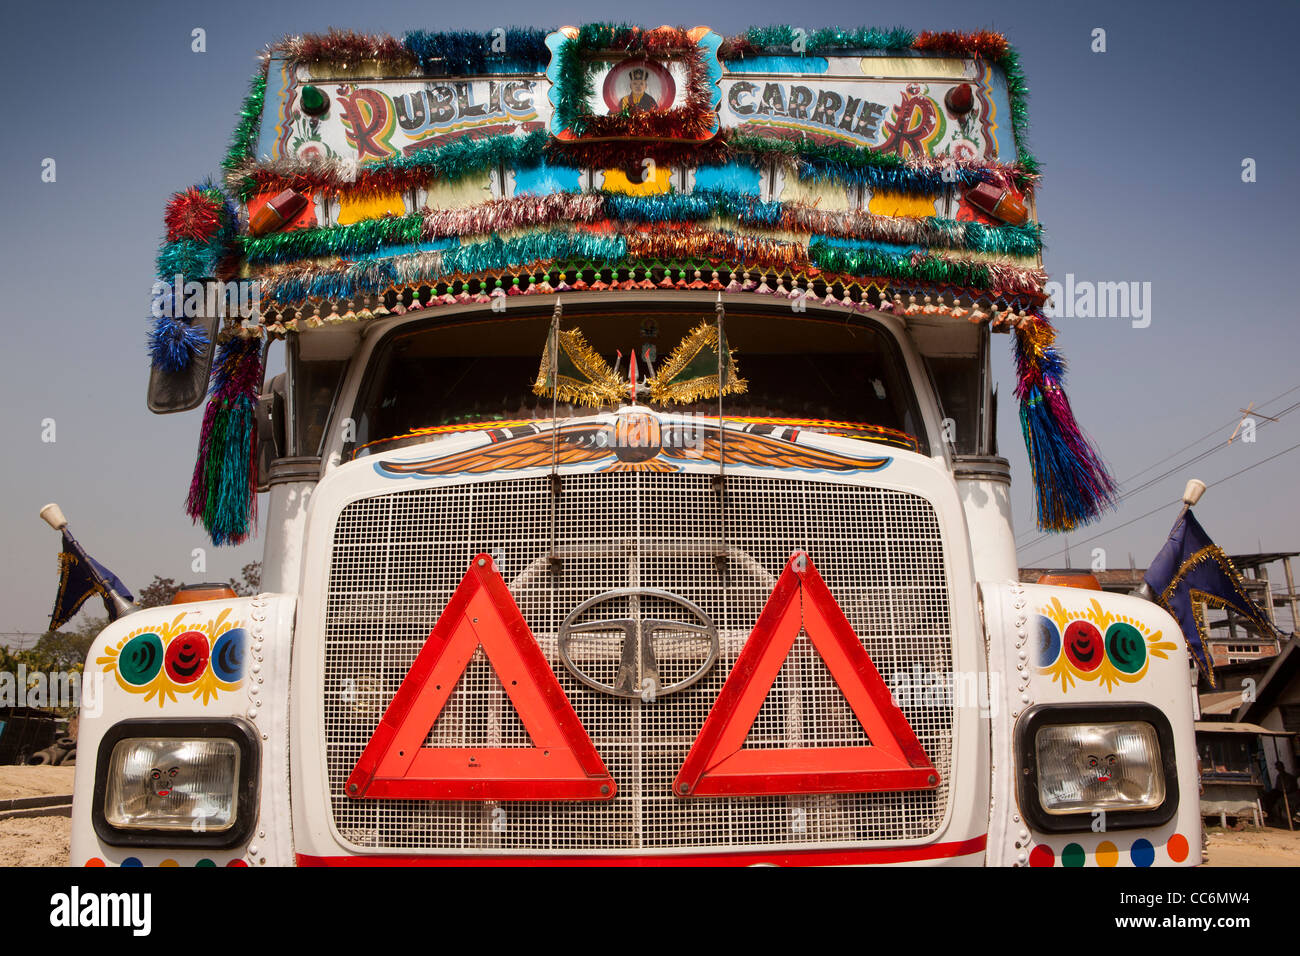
[
  {"x": 35, "y": 781},
  {"x": 35, "y": 841},
  {"x": 43, "y": 841},
  {"x": 1268, "y": 847}
]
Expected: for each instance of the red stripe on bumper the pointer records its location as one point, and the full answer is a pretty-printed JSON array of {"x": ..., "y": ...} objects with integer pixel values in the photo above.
[{"x": 902, "y": 854}]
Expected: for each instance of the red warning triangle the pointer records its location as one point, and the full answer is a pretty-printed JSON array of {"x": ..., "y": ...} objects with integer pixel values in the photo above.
[
  {"x": 718, "y": 764},
  {"x": 562, "y": 764}
]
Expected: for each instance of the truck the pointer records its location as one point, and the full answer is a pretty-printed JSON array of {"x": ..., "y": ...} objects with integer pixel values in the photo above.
[{"x": 631, "y": 491}]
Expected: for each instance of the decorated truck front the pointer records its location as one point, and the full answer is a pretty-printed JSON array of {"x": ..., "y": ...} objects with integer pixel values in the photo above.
[{"x": 633, "y": 484}]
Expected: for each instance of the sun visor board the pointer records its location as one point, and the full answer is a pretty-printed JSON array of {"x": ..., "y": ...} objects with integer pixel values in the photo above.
[
  {"x": 329, "y": 343},
  {"x": 936, "y": 336}
]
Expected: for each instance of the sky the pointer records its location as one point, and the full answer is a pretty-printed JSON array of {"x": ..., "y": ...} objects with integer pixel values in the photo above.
[{"x": 1142, "y": 147}]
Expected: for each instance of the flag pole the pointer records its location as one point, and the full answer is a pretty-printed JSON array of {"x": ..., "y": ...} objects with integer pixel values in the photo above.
[
  {"x": 53, "y": 515},
  {"x": 554, "y": 558},
  {"x": 1192, "y": 492},
  {"x": 721, "y": 555}
]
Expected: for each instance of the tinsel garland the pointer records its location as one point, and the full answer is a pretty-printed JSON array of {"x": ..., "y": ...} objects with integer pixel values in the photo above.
[
  {"x": 223, "y": 490},
  {"x": 995, "y": 277},
  {"x": 194, "y": 260},
  {"x": 459, "y": 52},
  {"x": 982, "y": 43},
  {"x": 199, "y": 213},
  {"x": 631, "y": 154},
  {"x": 716, "y": 246},
  {"x": 465, "y": 53},
  {"x": 242, "y": 149},
  {"x": 842, "y": 164},
  {"x": 174, "y": 342},
  {"x": 336, "y": 177},
  {"x": 1072, "y": 485},
  {"x": 850, "y": 164},
  {"x": 291, "y": 285},
  {"x": 347, "y": 49},
  {"x": 497, "y": 253},
  {"x": 345, "y": 280},
  {"x": 519, "y": 212},
  {"x": 780, "y": 38}
]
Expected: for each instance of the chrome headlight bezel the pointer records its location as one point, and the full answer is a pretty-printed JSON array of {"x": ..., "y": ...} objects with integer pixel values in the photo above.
[
  {"x": 234, "y": 729},
  {"x": 1027, "y": 790}
]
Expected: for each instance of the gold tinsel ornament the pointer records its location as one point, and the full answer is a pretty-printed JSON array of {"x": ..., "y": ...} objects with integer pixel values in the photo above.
[{"x": 691, "y": 373}]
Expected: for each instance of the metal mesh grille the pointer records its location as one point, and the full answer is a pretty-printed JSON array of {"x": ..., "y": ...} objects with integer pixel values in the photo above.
[{"x": 397, "y": 559}]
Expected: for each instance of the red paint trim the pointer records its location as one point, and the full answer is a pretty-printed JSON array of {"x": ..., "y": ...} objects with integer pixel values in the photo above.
[
  {"x": 900, "y": 854},
  {"x": 719, "y": 765},
  {"x": 562, "y": 764}
]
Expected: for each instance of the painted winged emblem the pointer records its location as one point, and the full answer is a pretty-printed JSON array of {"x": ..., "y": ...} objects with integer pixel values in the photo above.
[{"x": 636, "y": 442}]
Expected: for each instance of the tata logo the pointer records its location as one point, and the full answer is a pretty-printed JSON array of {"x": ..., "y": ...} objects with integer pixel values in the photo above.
[{"x": 638, "y": 642}]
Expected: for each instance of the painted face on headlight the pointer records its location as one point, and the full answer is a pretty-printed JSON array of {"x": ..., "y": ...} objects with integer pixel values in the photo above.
[
  {"x": 1100, "y": 768},
  {"x": 163, "y": 780}
]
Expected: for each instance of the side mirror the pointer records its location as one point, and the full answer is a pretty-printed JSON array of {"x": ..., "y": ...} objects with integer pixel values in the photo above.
[{"x": 181, "y": 391}]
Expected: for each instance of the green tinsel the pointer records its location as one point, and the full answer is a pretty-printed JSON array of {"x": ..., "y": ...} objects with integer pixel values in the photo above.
[
  {"x": 357, "y": 237},
  {"x": 782, "y": 37},
  {"x": 498, "y": 253},
  {"x": 875, "y": 263},
  {"x": 372, "y": 235},
  {"x": 457, "y": 159},
  {"x": 242, "y": 141},
  {"x": 194, "y": 260},
  {"x": 1017, "y": 96}
]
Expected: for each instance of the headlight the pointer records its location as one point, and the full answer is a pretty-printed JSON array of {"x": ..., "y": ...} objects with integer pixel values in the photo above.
[
  {"x": 1085, "y": 767},
  {"x": 1080, "y": 761},
  {"x": 176, "y": 783}
]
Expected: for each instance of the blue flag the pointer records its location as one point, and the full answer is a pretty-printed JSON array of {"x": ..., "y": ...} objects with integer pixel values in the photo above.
[
  {"x": 80, "y": 577},
  {"x": 1191, "y": 573}
]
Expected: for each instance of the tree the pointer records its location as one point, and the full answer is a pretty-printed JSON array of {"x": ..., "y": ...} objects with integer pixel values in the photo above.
[
  {"x": 160, "y": 590},
  {"x": 55, "y": 651}
]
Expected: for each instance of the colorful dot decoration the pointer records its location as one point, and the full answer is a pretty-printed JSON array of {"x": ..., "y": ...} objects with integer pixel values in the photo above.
[
  {"x": 228, "y": 653},
  {"x": 1177, "y": 848},
  {"x": 134, "y": 862},
  {"x": 1085, "y": 647},
  {"x": 141, "y": 659},
  {"x": 187, "y": 657},
  {"x": 1126, "y": 647},
  {"x": 1142, "y": 853}
]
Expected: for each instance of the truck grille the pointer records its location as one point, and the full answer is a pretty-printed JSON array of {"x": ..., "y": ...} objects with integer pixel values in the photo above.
[{"x": 397, "y": 559}]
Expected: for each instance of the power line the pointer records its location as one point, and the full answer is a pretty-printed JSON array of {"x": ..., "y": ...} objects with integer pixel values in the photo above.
[
  {"x": 1161, "y": 477},
  {"x": 1209, "y": 434},
  {"x": 1212, "y": 484}
]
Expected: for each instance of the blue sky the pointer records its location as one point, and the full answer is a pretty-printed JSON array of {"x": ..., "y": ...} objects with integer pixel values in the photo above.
[{"x": 1142, "y": 147}]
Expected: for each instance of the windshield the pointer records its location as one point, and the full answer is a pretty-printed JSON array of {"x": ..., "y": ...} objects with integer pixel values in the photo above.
[{"x": 837, "y": 374}]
